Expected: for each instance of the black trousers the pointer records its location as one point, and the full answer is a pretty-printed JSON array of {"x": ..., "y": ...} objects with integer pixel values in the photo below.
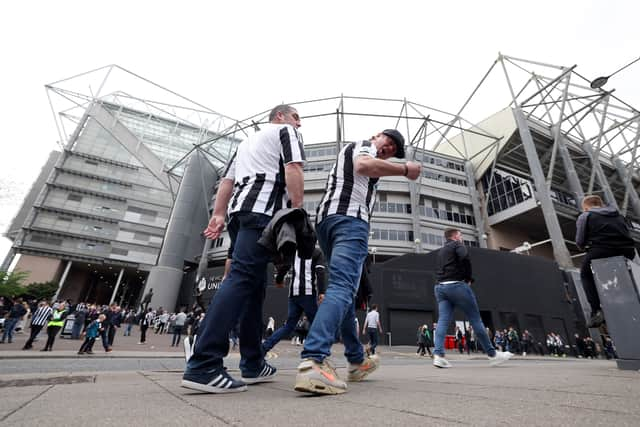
[
  {"x": 586, "y": 275},
  {"x": 52, "y": 331},
  {"x": 87, "y": 345},
  {"x": 143, "y": 333},
  {"x": 35, "y": 330}
]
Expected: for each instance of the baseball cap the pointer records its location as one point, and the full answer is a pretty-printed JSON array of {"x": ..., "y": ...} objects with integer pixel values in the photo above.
[{"x": 398, "y": 139}]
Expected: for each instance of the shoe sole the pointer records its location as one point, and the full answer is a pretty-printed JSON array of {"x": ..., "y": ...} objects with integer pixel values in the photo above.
[
  {"x": 498, "y": 362},
  {"x": 361, "y": 375},
  {"x": 259, "y": 379},
  {"x": 208, "y": 389},
  {"x": 442, "y": 366},
  {"x": 309, "y": 385}
]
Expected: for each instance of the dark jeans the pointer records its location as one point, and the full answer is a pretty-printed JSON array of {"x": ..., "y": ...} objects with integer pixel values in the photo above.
[
  {"x": 143, "y": 333},
  {"x": 239, "y": 298},
  {"x": 586, "y": 275},
  {"x": 52, "y": 331},
  {"x": 104, "y": 336},
  {"x": 372, "y": 333},
  {"x": 112, "y": 334},
  {"x": 35, "y": 330},
  {"x": 87, "y": 345},
  {"x": 297, "y": 304},
  {"x": 9, "y": 325},
  {"x": 177, "y": 334}
]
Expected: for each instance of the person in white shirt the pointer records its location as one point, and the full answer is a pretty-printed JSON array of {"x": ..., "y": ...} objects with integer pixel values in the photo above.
[
  {"x": 178, "y": 326},
  {"x": 371, "y": 327}
]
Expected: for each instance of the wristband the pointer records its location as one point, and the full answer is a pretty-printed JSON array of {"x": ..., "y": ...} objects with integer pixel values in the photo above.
[{"x": 406, "y": 170}]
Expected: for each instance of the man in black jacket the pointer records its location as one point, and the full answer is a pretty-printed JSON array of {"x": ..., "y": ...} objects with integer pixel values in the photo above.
[
  {"x": 454, "y": 290},
  {"x": 603, "y": 232}
]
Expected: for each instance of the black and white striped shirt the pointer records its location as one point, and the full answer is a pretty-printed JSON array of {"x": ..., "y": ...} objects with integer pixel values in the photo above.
[
  {"x": 348, "y": 193},
  {"x": 257, "y": 169},
  {"x": 308, "y": 275},
  {"x": 41, "y": 316}
]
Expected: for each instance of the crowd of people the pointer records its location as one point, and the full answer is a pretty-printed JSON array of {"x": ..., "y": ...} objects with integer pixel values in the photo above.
[
  {"x": 91, "y": 322},
  {"x": 524, "y": 344}
]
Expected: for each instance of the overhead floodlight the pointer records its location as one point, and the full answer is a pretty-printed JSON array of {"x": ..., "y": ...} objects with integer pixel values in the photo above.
[{"x": 601, "y": 81}]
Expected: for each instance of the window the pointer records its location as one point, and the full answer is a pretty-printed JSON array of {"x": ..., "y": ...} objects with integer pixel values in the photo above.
[
  {"x": 74, "y": 197},
  {"x": 64, "y": 218},
  {"x": 119, "y": 251},
  {"x": 91, "y": 162}
]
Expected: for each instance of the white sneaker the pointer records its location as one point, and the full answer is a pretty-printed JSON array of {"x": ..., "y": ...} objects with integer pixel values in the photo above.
[
  {"x": 500, "y": 358},
  {"x": 440, "y": 362}
]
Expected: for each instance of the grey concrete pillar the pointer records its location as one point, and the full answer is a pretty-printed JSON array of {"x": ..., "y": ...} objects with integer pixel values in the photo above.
[
  {"x": 570, "y": 170},
  {"x": 188, "y": 218},
  {"x": 602, "y": 178},
  {"x": 543, "y": 196},
  {"x": 414, "y": 197},
  {"x": 115, "y": 289},
  {"x": 475, "y": 204},
  {"x": 62, "y": 280}
]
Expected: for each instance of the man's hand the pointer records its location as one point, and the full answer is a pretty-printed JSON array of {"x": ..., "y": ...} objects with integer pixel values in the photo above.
[
  {"x": 215, "y": 227},
  {"x": 320, "y": 298},
  {"x": 413, "y": 170},
  {"x": 279, "y": 284}
]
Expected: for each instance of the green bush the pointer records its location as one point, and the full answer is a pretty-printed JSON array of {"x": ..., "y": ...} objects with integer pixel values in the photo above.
[
  {"x": 11, "y": 284},
  {"x": 44, "y": 290}
]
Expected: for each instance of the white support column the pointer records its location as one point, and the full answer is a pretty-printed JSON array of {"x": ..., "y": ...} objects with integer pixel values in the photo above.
[
  {"x": 115, "y": 290},
  {"x": 62, "y": 280}
]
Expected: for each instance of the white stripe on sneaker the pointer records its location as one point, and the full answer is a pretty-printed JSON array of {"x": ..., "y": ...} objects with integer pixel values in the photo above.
[{"x": 216, "y": 380}]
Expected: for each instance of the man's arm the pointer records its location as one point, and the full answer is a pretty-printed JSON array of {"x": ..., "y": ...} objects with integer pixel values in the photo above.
[
  {"x": 376, "y": 168},
  {"x": 581, "y": 230},
  {"x": 379, "y": 325},
  {"x": 294, "y": 177},
  {"x": 223, "y": 196},
  {"x": 463, "y": 255}
]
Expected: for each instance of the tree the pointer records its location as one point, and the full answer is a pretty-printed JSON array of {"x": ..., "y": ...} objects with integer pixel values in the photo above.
[
  {"x": 11, "y": 284},
  {"x": 40, "y": 291}
]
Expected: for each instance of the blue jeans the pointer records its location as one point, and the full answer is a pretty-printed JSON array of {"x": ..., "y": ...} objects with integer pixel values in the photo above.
[
  {"x": 459, "y": 295},
  {"x": 344, "y": 241},
  {"x": 239, "y": 298},
  {"x": 127, "y": 329},
  {"x": 177, "y": 334},
  {"x": 373, "y": 339},
  {"x": 9, "y": 325},
  {"x": 297, "y": 304}
]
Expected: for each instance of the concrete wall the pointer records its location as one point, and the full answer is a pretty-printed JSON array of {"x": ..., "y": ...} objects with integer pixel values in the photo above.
[{"x": 41, "y": 269}]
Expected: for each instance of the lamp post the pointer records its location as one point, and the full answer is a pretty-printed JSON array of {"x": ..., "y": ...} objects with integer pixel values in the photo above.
[{"x": 598, "y": 82}]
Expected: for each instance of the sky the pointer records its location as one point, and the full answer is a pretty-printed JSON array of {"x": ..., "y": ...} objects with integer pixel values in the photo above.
[{"x": 243, "y": 57}]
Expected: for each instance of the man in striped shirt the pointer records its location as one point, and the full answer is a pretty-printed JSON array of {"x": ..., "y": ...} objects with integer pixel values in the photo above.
[
  {"x": 264, "y": 175},
  {"x": 38, "y": 320},
  {"x": 343, "y": 232},
  {"x": 306, "y": 290}
]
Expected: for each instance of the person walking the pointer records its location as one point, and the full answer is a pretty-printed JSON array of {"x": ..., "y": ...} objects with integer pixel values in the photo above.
[
  {"x": 371, "y": 327},
  {"x": 264, "y": 175},
  {"x": 603, "y": 232},
  {"x": 15, "y": 314},
  {"x": 38, "y": 320},
  {"x": 452, "y": 290},
  {"x": 92, "y": 332},
  {"x": 54, "y": 325},
  {"x": 146, "y": 319},
  {"x": 178, "y": 326},
  {"x": 306, "y": 291},
  {"x": 342, "y": 224}
]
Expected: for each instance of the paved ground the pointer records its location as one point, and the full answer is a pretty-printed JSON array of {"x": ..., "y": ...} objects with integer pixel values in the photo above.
[{"x": 141, "y": 387}]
